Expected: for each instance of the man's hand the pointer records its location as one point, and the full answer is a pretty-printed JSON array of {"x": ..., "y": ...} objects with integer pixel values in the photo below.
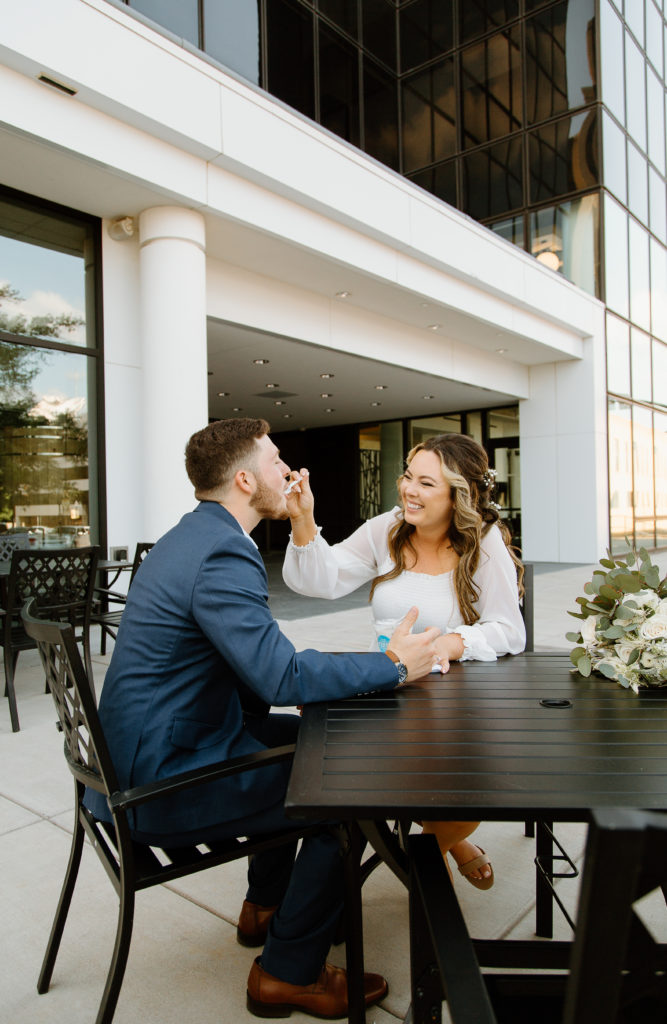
[{"x": 417, "y": 651}]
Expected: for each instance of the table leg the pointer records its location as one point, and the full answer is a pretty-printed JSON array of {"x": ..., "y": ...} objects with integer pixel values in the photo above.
[
  {"x": 544, "y": 909},
  {"x": 354, "y": 937}
]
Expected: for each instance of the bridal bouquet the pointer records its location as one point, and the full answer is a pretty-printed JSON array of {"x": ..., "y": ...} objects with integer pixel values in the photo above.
[{"x": 624, "y": 630}]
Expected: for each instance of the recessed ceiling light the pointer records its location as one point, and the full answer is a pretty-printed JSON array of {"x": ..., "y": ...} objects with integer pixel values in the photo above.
[
  {"x": 327, "y": 376},
  {"x": 501, "y": 351},
  {"x": 427, "y": 397},
  {"x": 329, "y": 410},
  {"x": 433, "y": 327},
  {"x": 343, "y": 295},
  {"x": 237, "y": 408},
  {"x": 260, "y": 362},
  {"x": 326, "y": 394},
  {"x": 287, "y": 415},
  {"x": 424, "y": 305},
  {"x": 272, "y": 386},
  {"x": 280, "y": 403},
  {"x": 381, "y": 387},
  {"x": 376, "y": 403},
  {"x": 223, "y": 394}
]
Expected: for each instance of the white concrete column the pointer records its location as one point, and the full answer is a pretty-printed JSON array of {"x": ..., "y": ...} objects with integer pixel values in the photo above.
[{"x": 173, "y": 340}]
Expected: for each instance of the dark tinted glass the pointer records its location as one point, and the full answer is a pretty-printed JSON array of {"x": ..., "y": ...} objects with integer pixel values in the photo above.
[
  {"x": 479, "y": 16},
  {"x": 563, "y": 157},
  {"x": 379, "y": 30},
  {"x": 560, "y": 59},
  {"x": 290, "y": 55},
  {"x": 492, "y": 180},
  {"x": 179, "y": 16},
  {"x": 441, "y": 181},
  {"x": 491, "y": 88},
  {"x": 380, "y": 115},
  {"x": 343, "y": 13},
  {"x": 231, "y": 35},
  {"x": 429, "y": 116},
  {"x": 426, "y": 30},
  {"x": 512, "y": 229},
  {"x": 339, "y": 85}
]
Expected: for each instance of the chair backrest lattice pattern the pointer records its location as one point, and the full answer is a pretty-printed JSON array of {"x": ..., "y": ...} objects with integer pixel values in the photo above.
[
  {"x": 8, "y": 545},
  {"x": 85, "y": 746},
  {"x": 59, "y": 581}
]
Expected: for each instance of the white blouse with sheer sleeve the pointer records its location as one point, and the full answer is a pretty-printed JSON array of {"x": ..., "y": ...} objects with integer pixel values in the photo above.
[{"x": 322, "y": 570}]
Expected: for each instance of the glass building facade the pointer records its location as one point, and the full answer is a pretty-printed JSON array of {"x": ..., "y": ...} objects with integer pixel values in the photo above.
[
  {"x": 50, "y": 367},
  {"x": 542, "y": 119}
]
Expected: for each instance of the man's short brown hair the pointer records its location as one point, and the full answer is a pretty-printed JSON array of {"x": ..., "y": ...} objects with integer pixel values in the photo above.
[{"x": 213, "y": 454}]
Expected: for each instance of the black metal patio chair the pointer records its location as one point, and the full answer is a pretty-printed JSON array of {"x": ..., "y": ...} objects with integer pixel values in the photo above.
[
  {"x": 616, "y": 971},
  {"x": 109, "y": 604},
  {"x": 61, "y": 582},
  {"x": 131, "y": 866}
]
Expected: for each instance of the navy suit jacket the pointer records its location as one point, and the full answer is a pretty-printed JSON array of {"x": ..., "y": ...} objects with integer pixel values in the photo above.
[{"x": 197, "y": 628}]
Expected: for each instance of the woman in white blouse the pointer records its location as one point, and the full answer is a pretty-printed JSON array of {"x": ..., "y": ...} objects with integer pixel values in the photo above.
[{"x": 443, "y": 549}]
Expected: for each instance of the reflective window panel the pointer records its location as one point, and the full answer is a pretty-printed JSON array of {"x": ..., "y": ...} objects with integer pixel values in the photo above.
[
  {"x": 491, "y": 88},
  {"x": 634, "y": 17},
  {"x": 614, "y": 158},
  {"x": 656, "y": 120},
  {"x": 492, "y": 180},
  {"x": 657, "y": 205},
  {"x": 654, "y": 37},
  {"x": 503, "y": 422},
  {"x": 440, "y": 181},
  {"x": 180, "y": 16},
  {"x": 426, "y": 30},
  {"x": 512, "y": 228},
  {"x": 642, "y": 449},
  {"x": 43, "y": 276},
  {"x": 429, "y": 426},
  {"x": 473, "y": 425},
  {"x": 658, "y": 289},
  {"x": 480, "y": 16},
  {"x": 660, "y": 374},
  {"x": 660, "y": 462},
  {"x": 231, "y": 35},
  {"x": 640, "y": 352},
  {"x": 616, "y": 257},
  {"x": 566, "y": 238},
  {"x": 429, "y": 116},
  {"x": 379, "y": 30},
  {"x": 563, "y": 157},
  {"x": 620, "y": 474},
  {"x": 291, "y": 74},
  {"x": 380, "y": 115},
  {"x": 560, "y": 59},
  {"x": 343, "y": 13},
  {"x": 637, "y": 183},
  {"x": 611, "y": 45},
  {"x": 635, "y": 100},
  {"x": 618, "y": 356},
  {"x": 339, "y": 85},
  {"x": 46, "y": 449},
  {"x": 640, "y": 290}
]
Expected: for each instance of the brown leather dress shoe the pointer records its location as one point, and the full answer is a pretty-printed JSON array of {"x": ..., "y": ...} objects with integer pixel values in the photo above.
[
  {"x": 254, "y": 924},
  {"x": 326, "y": 997}
]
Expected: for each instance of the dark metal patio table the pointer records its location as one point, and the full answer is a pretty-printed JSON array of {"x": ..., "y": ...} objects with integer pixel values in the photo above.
[{"x": 515, "y": 739}]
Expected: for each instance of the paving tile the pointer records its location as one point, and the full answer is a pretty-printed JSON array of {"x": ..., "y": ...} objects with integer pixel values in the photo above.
[{"x": 13, "y": 816}]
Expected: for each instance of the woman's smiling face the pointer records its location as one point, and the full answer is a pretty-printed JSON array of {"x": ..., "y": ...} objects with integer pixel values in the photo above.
[{"x": 426, "y": 495}]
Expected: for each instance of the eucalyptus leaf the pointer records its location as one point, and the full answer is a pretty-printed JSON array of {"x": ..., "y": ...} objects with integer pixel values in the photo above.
[
  {"x": 630, "y": 584},
  {"x": 614, "y": 632},
  {"x": 607, "y": 670},
  {"x": 576, "y": 653},
  {"x": 574, "y": 638},
  {"x": 607, "y": 562},
  {"x": 609, "y": 592},
  {"x": 584, "y": 666},
  {"x": 634, "y": 656}
]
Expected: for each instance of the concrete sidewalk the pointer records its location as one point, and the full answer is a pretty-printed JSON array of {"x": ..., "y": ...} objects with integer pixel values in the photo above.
[{"x": 184, "y": 961}]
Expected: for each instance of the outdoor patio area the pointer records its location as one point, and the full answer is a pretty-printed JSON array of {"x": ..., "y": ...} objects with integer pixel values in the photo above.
[{"x": 185, "y": 963}]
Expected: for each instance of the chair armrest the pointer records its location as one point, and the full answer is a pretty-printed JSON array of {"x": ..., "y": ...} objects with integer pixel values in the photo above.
[
  {"x": 124, "y": 799},
  {"x": 438, "y": 933},
  {"x": 114, "y": 595}
]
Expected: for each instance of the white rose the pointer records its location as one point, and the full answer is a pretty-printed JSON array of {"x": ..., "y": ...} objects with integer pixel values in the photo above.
[
  {"x": 588, "y": 629},
  {"x": 624, "y": 649},
  {"x": 645, "y": 598},
  {"x": 662, "y": 607},
  {"x": 654, "y": 628}
]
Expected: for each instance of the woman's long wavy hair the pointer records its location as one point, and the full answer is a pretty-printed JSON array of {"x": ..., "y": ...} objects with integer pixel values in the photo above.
[{"x": 465, "y": 467}]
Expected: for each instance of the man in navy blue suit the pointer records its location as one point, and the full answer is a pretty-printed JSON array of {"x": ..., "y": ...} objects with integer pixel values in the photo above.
[{"x": 197, "y": 654}]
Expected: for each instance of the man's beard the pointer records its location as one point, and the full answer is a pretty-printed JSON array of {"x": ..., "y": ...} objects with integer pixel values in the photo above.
[{"x": 267, "y": 503}]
